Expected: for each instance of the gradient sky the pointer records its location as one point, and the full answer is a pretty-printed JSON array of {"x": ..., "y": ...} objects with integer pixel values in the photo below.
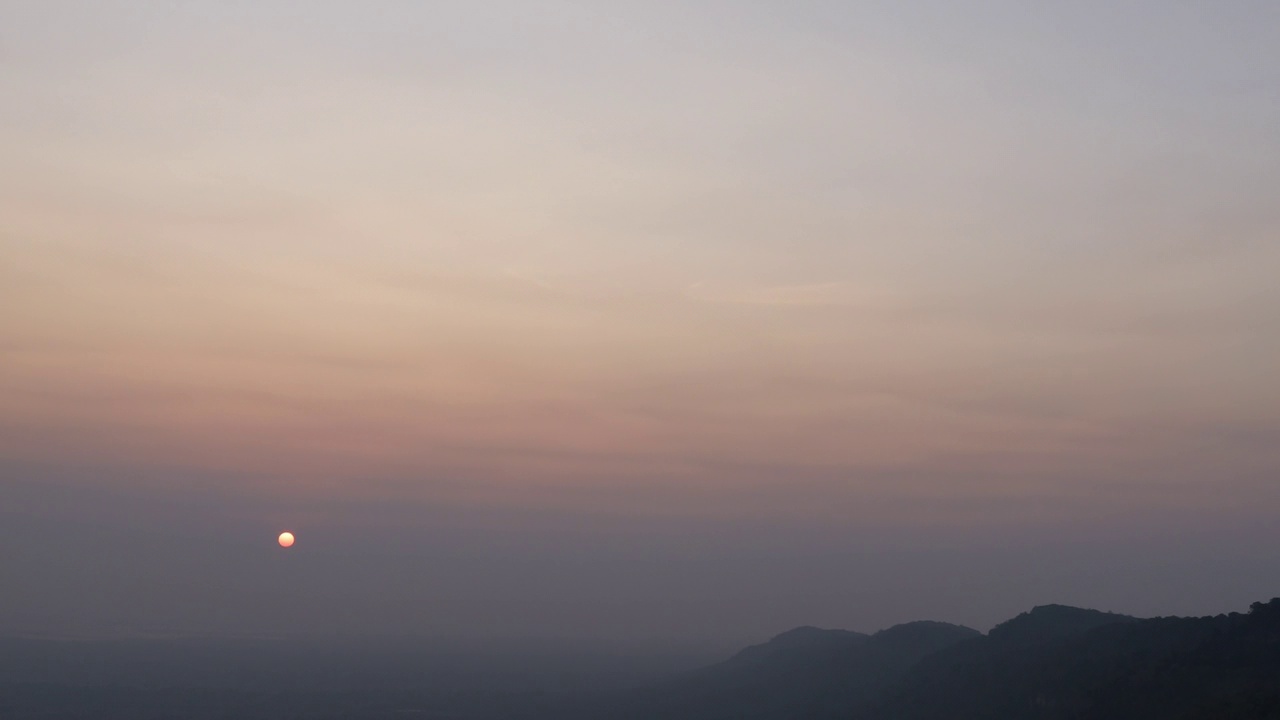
[{"x": 635, "y": 320}]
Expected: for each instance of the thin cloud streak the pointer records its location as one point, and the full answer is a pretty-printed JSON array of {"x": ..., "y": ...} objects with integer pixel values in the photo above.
[{"x": 894, "y": 270}]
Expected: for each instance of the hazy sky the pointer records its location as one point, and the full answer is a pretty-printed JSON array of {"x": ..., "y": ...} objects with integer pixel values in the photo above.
[{"x": 635, "y": 320}]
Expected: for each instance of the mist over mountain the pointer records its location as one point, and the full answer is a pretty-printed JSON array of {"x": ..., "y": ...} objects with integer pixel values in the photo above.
[
  {"x": 1051, "y": 663},
  {"x": 805, "y": 672}
]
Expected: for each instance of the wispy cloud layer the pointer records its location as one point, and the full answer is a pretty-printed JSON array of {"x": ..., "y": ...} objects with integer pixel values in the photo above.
[{"x": 891, "y": 264}]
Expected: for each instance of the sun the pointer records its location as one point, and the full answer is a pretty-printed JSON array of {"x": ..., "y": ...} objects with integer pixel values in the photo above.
[{"x": 285, "y": 539}]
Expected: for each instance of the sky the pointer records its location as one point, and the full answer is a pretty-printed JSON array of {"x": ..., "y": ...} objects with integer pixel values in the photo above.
[{"x": 634, "y": 321}]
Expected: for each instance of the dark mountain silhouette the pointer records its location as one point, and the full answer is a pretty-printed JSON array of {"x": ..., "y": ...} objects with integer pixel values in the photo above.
[
  {"x": 801, "y": 645},
  {"x": 803, "y": 672},
  {"x": 1058, "y": 663},
  {"x": 1052, "y": 663},
  {"x": 1047, "y": 623}
]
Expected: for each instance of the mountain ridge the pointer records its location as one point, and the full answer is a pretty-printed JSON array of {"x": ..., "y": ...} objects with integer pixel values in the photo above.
[{"x": 1053, "y": 662}]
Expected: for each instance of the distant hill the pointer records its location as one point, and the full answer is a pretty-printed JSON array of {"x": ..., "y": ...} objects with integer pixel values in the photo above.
[
  {"x": 1059, "y": 663},
  {"x": 806, "y": 672},
  {"x": 802, "y": 645},
  {"x": 1052, "y": 663},
  {"x": 1047, "y": 623}
]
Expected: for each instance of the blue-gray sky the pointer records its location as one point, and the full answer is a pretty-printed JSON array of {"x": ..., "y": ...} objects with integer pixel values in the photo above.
[{"x": 635, "y": 320}]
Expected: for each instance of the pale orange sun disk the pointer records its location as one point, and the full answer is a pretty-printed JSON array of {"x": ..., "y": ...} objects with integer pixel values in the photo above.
[{"x": 285, "y": 539}]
